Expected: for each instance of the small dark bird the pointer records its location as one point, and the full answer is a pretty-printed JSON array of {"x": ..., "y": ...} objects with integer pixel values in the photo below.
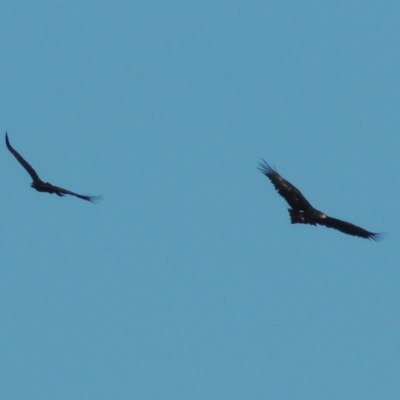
[
  {"x": 302, "y": 212},
  {"x": 41, "y": 186}
]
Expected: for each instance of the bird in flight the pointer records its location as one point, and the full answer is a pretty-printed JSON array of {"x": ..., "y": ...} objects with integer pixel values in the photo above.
[
  {"x": 41, "y": 186},
  {"x": 302, "y": 212}
]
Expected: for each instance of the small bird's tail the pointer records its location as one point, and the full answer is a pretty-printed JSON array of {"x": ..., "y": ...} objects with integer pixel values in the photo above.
[
  {"x": 295, "y": 216},
  {"x": 299, "y": 217}
]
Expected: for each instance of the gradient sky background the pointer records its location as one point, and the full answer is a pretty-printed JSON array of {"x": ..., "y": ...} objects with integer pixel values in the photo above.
[{"x": 187, "y": 281}]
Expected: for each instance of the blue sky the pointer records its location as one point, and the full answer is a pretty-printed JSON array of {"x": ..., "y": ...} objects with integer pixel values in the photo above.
[{"x": 187, "y": 281}]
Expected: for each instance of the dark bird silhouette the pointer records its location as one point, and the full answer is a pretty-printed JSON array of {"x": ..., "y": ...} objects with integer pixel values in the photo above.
[
  {"x": 41, "y": 186},
  {"x": 302, "y": 212}
]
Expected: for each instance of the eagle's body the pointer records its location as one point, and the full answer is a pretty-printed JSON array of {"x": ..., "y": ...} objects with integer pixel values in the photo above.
[
  {"x": 302, "y": 212},
  {"x": 41, "y": 186}
]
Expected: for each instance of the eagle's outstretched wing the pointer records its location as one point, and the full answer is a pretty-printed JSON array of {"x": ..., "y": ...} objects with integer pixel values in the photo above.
[
  {"x": 22, "y": 161},
  {"x": 347, "y": 227},
  {"x": 62, "y": 192},
  {"x": 290, "y": 193}
]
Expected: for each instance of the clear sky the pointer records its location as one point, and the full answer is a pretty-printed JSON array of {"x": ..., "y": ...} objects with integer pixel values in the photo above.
[{"x": 188, "y": 281}]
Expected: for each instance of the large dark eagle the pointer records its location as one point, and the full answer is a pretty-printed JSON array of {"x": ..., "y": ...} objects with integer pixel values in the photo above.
[
  {"x": 302, "y": 212},
  {"x": 41, "y": 186}
]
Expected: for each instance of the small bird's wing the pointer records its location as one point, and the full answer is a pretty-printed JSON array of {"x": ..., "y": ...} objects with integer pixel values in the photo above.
[
  {"x": 347, "y": 227},
  {"x": 290, "y": 193},
  {"x": 62, "y": 192},
  {"x": 18, "y": 156}
]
